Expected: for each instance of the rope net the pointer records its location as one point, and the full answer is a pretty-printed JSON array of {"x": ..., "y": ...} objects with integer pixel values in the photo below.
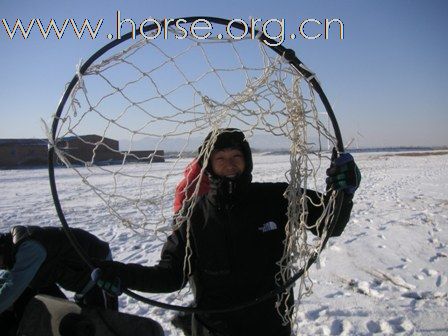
[{"x": 155, "y": 100}]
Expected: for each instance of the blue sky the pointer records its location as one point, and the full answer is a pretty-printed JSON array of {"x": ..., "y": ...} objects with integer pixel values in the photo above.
[{"x": 386, "y": 79}]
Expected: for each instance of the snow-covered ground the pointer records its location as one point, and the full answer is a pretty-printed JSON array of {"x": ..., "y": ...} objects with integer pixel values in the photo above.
[{"x": 386, "y": 275}]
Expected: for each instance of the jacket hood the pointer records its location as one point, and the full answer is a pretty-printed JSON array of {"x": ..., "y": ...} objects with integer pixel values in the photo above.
[
  {"x": 225, "y": 190},
  {"x": 227, "y": 138}
]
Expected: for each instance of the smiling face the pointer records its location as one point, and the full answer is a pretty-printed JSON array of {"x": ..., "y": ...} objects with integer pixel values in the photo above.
[{"x": 228, "y": 162}]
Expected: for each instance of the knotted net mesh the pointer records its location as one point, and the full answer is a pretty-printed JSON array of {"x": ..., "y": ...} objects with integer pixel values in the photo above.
[{"x": 138, "y": 114}]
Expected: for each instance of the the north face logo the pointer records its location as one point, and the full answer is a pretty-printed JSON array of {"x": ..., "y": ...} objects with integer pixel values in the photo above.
[{"x": 269, "y": 226}]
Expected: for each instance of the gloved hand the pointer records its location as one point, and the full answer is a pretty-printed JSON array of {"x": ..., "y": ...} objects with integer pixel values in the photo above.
[
  {"x": 343, "y": 173},
  {"x": 110, "y": 284}
]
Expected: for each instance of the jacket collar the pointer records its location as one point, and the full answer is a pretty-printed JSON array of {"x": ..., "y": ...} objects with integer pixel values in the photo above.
[{"x": 228, "y": 191}]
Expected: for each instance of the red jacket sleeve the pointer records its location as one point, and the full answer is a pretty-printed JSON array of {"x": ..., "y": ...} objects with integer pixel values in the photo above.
[{"x": 186, "y": 187}]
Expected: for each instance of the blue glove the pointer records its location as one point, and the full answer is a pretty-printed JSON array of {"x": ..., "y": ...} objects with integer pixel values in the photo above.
[
  {"x": 112, "y": 287},
  {"x": 343, "y": 173}
]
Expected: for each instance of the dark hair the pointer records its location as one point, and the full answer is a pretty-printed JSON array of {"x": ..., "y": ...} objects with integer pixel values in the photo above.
[
  {"x": 3, "y": 240},
  {"x": 6, "y": 248}
]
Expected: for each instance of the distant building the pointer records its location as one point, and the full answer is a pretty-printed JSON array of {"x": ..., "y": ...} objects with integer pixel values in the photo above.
[
  {"x": 23, "y": 152},
  {"x": 90, "y": 148},
  {"x": 19, "y": 153}
]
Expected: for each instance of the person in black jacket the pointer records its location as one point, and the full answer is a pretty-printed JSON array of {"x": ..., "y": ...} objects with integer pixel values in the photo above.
[
  {"x": 37, "y": 260},
  {"x": 237, "y": 233}
]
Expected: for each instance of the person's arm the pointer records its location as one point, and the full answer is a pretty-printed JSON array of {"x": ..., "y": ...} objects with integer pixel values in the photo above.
[
  {"x": 344, "y": 215},
  {"x": 167, "y": 276},
  {"x": 344, "y": 175},
  {"x": 28, "y": 260},
  {"x": 315, "y": 208}
]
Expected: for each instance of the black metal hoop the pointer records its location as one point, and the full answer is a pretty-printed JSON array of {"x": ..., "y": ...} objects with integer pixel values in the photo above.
[{"x": 290, "y": 56}]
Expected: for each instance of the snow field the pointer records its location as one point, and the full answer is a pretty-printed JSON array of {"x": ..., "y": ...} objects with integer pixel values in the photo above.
[{"x": 387, "y": 274}]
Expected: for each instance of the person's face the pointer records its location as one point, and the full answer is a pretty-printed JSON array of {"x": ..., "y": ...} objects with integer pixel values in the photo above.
[{"x": 228, "y": 162}]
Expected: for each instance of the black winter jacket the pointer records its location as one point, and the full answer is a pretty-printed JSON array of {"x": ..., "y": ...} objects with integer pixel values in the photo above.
[{"x": 236, "y": 245}]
